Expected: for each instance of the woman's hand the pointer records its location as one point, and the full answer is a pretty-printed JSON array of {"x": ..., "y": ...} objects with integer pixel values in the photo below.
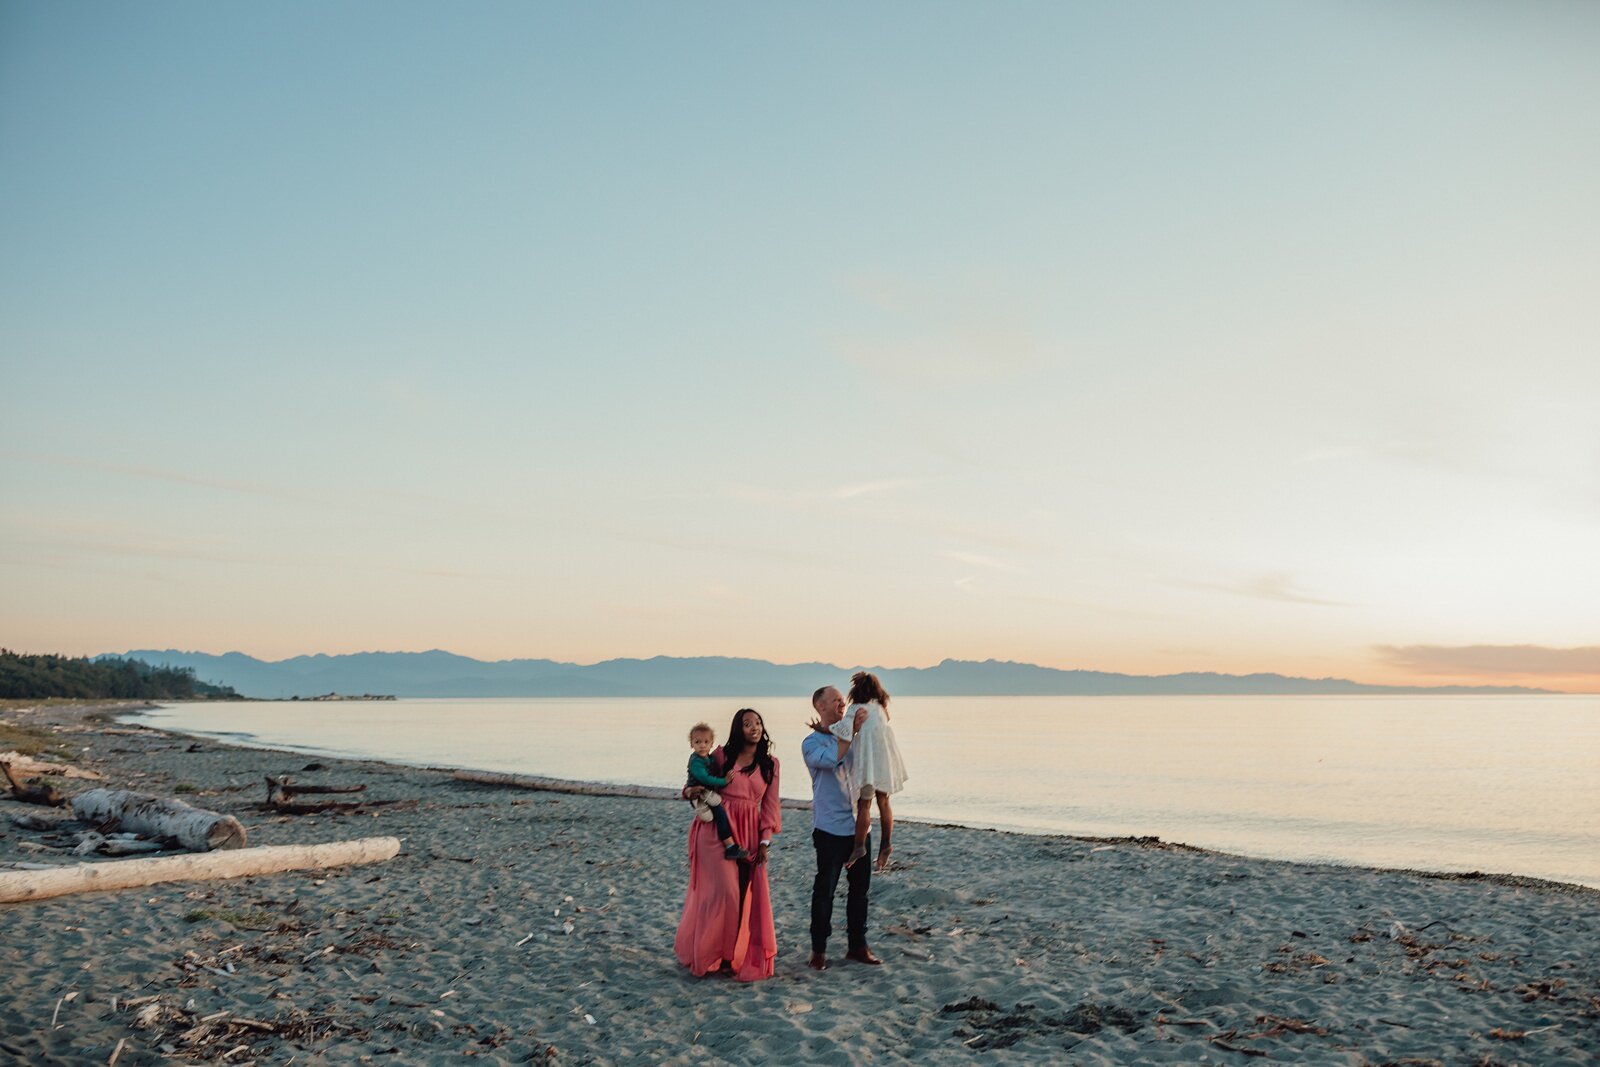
[
  {"x": 816, "y": 724},
  {"x": 761, "y": 855}
]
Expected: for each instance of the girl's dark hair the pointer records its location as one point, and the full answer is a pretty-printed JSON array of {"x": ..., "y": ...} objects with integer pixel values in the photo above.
[
  {"x": 734, "y": 746},
  {"x": 865, "y": 688}
]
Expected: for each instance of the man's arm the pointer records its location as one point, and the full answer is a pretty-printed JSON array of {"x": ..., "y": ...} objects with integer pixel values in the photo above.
[
  {"x": 823, "y": 751},
  {"x": 810, "y": 747}
]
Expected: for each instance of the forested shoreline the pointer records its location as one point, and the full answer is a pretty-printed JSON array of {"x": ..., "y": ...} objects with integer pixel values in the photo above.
[{"x": 27, "y": 677}]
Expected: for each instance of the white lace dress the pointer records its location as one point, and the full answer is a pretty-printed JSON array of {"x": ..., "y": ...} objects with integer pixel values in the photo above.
[{"x": 873, "y": 754}]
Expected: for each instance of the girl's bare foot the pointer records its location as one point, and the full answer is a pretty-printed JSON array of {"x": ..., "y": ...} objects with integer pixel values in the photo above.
[
  {"x": 883, "y": 858},
  {"x": 860, "y": 851}
]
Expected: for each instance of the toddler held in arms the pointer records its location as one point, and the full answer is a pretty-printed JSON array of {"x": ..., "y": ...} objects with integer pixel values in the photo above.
[
  {"x": 879, "y": 770},
  {"x": 708, "y": 806}
]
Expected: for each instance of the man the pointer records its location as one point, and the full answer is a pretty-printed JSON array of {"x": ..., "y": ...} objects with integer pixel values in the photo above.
[{"x": 833, "y": 821}]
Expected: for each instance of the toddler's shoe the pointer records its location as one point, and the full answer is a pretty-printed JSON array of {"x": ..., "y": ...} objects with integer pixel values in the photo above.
[{"x": 734, "y": 852}]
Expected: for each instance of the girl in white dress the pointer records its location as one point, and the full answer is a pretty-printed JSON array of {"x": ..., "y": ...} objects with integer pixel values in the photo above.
[{"x": 878, "y": 769}]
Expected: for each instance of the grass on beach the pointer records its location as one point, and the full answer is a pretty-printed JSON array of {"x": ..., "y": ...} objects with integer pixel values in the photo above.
[{"x": 29, "y": 740}]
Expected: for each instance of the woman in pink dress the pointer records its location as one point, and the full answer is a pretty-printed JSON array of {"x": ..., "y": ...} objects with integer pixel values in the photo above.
[{"x": 727, "y": 912}]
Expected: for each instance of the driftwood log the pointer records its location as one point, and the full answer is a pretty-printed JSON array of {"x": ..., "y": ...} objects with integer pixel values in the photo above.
[
  {"x": 34, "y": 792},
  {"x": 16, "y": 886},
  {"x": 51, "y": 823},
  {"x": 588, "y": 789},
  {"x": 281, "y": 792},
  {"x": 114, "y": 844},
  {"x": 28, "y": 767},
  {"x": 194, "y": 828}
]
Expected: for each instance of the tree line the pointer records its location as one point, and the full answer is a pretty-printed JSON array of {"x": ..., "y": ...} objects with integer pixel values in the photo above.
[{"x": 29, "y": 677}]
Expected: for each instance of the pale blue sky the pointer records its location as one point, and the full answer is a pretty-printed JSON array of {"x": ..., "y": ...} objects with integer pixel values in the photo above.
[{"x": 1128, "y": 336}]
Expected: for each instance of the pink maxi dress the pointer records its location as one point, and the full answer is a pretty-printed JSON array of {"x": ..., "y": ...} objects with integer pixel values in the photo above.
[{"x": 720, "y": 924}]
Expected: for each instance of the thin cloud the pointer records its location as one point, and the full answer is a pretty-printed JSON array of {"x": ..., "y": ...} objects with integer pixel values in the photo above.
[
  {"x": 1497, "y": 660},
  {"x": 128, "y": 470},
  {"x": 257, "y": 489},
  {"x": 1271, "y": 585},
  {"x": 72, "y": 545},
  {"x": 973, "y": 559},
  {"x": 928, "y": 337},
  {"x": 850, "y": 492},
  {"x": 807, "y": 498},
  {"x": 961, "y": 357}
]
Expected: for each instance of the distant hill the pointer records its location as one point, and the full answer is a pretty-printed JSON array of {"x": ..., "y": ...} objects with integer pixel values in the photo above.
[
  {"x": 28, "y": 677},
  {"x": 444, "y": 674}
]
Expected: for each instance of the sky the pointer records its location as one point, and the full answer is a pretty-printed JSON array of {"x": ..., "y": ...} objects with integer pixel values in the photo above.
[{"x": 1138, "y": 337}]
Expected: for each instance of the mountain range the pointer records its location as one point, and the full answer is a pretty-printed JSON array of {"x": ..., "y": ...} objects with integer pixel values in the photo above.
[{"x": 444, "y": 674}]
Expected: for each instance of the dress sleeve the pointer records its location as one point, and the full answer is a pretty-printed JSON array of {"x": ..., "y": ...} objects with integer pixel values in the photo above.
[{"x": 771, "y": 809}]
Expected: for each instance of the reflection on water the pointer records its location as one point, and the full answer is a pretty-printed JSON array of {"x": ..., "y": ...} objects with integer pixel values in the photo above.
[{"x": 1504, "y": 783}]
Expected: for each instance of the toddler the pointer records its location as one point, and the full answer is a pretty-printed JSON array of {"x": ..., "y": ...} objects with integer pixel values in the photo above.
[{"x": 708, "y": 806}]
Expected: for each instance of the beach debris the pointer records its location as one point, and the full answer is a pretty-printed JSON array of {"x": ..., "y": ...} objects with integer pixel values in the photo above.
[
  {"x": 34, "y": 791},
  {"x": 68, "y": 999},
  {"x": 193, "y": 828},
  {"x": 30, "y": 766},
  {"x": 237, "y": 863},
  {"x": 46, "y": 823},
  {"x": 915, "y": 933},
  {"x": 1298, "y": 961},
  {"x": 1541, "y": 990},
  {"x": 281, "y": 791},
  {"x": 1282, "y": 1024},
  {"x": 970, "y": 1004},
  {"x": 222, "y": 1036},
  {"x": 92, "y": 841},
  {"x": 996, "y": 1028},
  {"x": 88, "y": 841},
  {"x": 1503, "y": 1034},
  {"x": 1222, "y": 1041}
]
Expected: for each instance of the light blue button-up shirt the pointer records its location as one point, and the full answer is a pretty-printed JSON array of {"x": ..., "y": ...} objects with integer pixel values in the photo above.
[{"x": 833, "y": 788}]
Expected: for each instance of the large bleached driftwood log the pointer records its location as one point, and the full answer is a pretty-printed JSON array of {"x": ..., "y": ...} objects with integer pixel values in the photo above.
[
  {"x": 18, "y": 886},
  {"x": 589, "y": 789},
  {"x": 194, "y": 828}
]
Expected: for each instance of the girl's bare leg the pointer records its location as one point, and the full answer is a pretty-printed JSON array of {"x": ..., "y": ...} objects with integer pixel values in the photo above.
[
  {"x": 863, "y": 824},
  {"x": 886, "y": 827}
]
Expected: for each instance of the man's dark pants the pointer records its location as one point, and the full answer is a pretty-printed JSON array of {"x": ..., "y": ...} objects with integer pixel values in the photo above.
[{"x": 832, "y": 852}]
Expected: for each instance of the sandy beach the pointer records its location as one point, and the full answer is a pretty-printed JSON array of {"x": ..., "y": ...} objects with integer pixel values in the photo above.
[{"x": 520, "y": 926}]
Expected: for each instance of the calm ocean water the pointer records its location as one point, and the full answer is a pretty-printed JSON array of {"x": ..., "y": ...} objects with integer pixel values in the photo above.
[{"x": 1505, "y": 784}]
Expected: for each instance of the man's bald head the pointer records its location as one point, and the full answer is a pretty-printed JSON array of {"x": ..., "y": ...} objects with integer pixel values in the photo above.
[{"x": 829, "y": 704}]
